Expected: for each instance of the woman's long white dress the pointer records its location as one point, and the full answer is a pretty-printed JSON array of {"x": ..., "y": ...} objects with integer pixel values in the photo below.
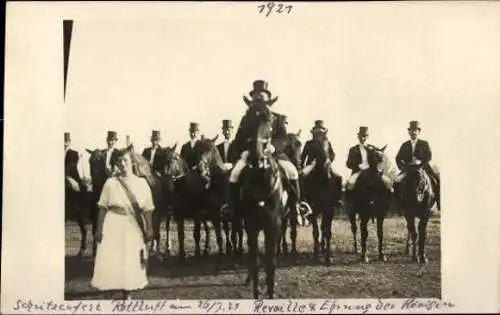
[{"x": 118, "y": 261}]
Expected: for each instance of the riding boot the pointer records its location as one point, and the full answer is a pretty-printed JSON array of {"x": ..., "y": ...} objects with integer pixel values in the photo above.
[{"x": 294, "y": 195}]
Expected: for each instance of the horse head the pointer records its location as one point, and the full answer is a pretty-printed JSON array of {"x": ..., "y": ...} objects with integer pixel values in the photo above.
[
  {"x": 377, "y": 157},
  {"x": 293, "y": 148},
  {"x": 175, "y": 166},
  {"x": 97, "y": 168},
  {"x": 209, "y": 159}
]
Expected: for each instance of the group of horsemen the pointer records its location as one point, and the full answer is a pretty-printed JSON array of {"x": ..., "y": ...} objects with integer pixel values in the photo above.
[{"x": 234, "y": 154}]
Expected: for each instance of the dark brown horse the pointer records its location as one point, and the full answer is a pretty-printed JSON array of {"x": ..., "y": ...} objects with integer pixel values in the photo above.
[
  {"x": 322, "y": 190},
  {"x": 262, "y": 193},
  {"x": 370, "y": 200},
  {"x": 189, "y": 197},
  {"x": 418, "y": 198},
  {"x": 291, "y": 148},
  {"x": 77, "y": 208}
]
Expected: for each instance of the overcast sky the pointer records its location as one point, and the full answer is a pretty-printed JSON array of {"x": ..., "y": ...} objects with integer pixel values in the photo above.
[{"x": 380, "y": 69}]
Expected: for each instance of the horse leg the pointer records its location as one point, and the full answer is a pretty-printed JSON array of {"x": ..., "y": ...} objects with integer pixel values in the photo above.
[
  {"x": 422, "y": 233},
  {"x": 196, "y": 235},
  {"x": 208, "y": 237},
  {"x": 293, "y": 234},
  {"x": 327, "y": 221},
  {"x": 354, "y": 228},
  {"x": 156, "y": 232},
  {"x": 83, "y": 232},
  {"x": 271, "y": 245},
  {"x": 364, "y": 236},
  {"x": 283, "y": 238},
  {"x": 253, "y": 272},
  {"x": 407, "y": 247},
  {"x": 380, "y": 235},
  {"x": 315, "y": 235},
  {"x": 410, "y": 223},
  {"x": 322, "y": 235},
  {"x": 180, "y": 237},
  {"x": 167, "y": 239},
  {"x": 93, "y": 219},
  {"x": 218, "y": 235},
  {"x": 229, "y": 246}
]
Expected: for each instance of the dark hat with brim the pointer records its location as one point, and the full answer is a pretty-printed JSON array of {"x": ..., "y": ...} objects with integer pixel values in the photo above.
[
  {"x": 260, "y": 86},
  {"x": 112, "y": 135},
  {"x": 414, "y": 125},
  {"x": 155, "y": 135},
  {"x": 319, "y": 126},
  {"x": 363, "y": 131},
  {"x": 227, "y": 124},
  {"x": 67, "y": 136},
  {"x": 194, "y": 126}
]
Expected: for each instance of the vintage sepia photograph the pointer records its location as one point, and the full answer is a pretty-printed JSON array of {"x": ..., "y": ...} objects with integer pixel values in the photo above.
[
  {"x": 256, "y": 157},
  {"x": 213, "y": 165}
]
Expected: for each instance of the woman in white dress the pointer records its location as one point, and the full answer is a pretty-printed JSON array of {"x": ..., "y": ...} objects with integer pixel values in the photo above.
[{"x": 121, "y": 251}]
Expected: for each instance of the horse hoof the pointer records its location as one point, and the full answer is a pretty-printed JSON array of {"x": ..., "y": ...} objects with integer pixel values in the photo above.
[
  {"x": 328, "y": 261},
  {"x": 182, "y": 257},
  {"x": 355, "y": 251},
  {"x": 365, "y": 259},
  {"x": 423, "y": 260},
  {"x": 382, "y": 258},
  {"x": 414, "y": 258},
  {"x": 406, "y": 252}
]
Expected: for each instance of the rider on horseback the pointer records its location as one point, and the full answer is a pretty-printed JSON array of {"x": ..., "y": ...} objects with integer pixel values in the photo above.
[
  {"x": 416, "y": 152},
  {"x": 260, "y": 94},
  {"x": 358, "y": 161}
]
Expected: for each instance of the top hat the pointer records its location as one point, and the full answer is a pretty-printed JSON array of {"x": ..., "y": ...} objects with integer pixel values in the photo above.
[
  {"x": 67, "y": 137},
  {"x": 155, "y": 135},
  {"x": 414, "y": 125},
  {"x": 194, "y": 126},
  {"x": 319, "y": 125},
  {"x": 363, "y": 131},
  {"x": 260, "y": 86},
  {"x": 112, "y": 135},
  {"x": 227, "y": 124}
]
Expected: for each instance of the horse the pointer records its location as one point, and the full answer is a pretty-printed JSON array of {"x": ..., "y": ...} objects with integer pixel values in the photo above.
[
  {"x": 77, "y": 208},
  {"x": 291, "y": 148},
  {"x": 263, "y": 197},
  {"x": 370, "y": 200},
  {"x": 418, "y": 198},
  {"x": 216, "y": 179},
  {"x": 188, "y": 191},
  {"x": 323, "y": 192}
]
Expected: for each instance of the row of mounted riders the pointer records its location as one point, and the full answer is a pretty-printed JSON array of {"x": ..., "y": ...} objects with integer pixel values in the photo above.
[{"x": 182, "y": 193}]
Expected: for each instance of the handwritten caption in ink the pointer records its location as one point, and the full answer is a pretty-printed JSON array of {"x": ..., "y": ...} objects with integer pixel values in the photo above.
[
  {"x": 327, "y": 306},
  {"x": 274, "y": 8},
  {"x": 336, "y": 307}
]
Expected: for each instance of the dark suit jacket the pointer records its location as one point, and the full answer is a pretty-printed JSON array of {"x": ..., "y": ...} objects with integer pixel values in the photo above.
[
  {"x": 112, "y": 160},
  {"x": 190, "y": 154},
  {"x": 354, "y": 158},
  {"x": 158, "y": 160},
  {"x": 422, "y": 152},
  {"x": 70, "y": 165},
  {"x": 310, "y": 152},
  {"x": 232, "y": 157}
]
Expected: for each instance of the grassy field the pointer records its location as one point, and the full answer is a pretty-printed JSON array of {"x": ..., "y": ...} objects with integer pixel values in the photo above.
[{"x": 347, "y": 277}]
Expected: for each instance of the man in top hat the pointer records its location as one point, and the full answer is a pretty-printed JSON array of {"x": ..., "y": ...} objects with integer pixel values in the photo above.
[
  {"x": 261, "y": 94},
  {"x": 188, "y": 150},
  {"x": 417, "y": 152},
  {"x": 309, "y": 153},
  {"x": 111, "y": 152},
  {"x": 71, "y": 159},
  {"x": 154, "y": 154},
  {"x": 226, "y": 148},
  {"x": 357, "y": 161}
]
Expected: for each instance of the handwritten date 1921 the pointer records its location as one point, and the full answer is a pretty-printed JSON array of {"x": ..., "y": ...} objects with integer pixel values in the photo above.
[
  {"x": 211, "y": 306},
  {"x": 276, "y": 8}
]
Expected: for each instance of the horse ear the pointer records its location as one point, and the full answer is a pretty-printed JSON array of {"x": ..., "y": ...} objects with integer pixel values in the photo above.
[
  {"x": 246, "y": 100},
  {"x": 299, "y": 132},
  {"x": 215, "y": 139},
  {"x": 174, "y": 147},
  {"x": 130, "y": 147},
  {"x": 89, "y": 151},
  {"x": 383, "y": 148}
]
